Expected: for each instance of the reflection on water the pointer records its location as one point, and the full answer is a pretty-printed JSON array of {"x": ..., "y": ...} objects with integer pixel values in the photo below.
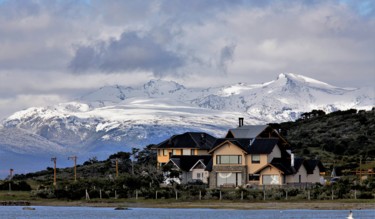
[{"x": 162, "y": 213}]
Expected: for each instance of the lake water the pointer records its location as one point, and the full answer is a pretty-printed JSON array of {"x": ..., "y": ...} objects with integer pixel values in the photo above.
[{"x": 16, "y": 212}]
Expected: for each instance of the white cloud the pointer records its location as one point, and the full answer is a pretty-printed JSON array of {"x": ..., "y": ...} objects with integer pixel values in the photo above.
[{"x": 221, "y": 43}]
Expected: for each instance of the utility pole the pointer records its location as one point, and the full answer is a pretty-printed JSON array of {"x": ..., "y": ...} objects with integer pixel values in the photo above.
[
  {"x": 74, "y": 158},
  {"x": 116, "y": 167},
  {"x": 360, "y": 170},
  {"x": 54, "y": 170},
  {"x": 134, "y": 152},
  {"x": 11, "y": 173},
  {"x": 10, "y": 178}
]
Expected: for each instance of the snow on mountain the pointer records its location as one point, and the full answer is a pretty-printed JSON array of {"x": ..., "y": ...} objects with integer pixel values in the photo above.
[{"x": 115, "y": 118}]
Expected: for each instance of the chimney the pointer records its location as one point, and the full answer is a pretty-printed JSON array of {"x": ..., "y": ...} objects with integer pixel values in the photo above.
[
  {"x": 203, "y": 138},
  {"x": 292, "y": 160},
  {"x": 240, "y": 121}
]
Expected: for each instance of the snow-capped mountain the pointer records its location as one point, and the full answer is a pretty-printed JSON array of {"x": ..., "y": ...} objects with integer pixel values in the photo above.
[{"x": 115, "y": 118}]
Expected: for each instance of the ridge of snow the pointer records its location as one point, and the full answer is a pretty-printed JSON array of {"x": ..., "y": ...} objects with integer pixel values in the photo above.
[{"x": 117, "y": 116}]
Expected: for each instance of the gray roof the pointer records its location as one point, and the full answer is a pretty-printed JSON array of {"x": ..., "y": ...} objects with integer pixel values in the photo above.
[{"x": 247, "y": 131}]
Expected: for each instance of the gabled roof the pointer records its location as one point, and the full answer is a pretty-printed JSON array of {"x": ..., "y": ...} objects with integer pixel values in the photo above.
[
  {"x": 284, "y": 165},
  {"x": 185, "y": 163},
  {"x": 312, "y": 164},
  {"x": 246, "y": 131},
  {"x": 250, "y": 146},
  {"x": 198, "y": 140},
  {"x": 241, "y": 143}
]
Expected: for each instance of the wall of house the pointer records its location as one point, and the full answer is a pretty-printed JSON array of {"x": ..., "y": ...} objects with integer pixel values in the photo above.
[
  {"x": 253, "y": 167},
  {"x": 295, "y": 178},
  {"x": 315, "y": 177},
  {"x": 229, "y": 149},
  {"x": 186, "y": 177},
  {"x": 201, "y": 152},
  {"x": 204, "y": 175},
  {"x": 268, "y": 171},
  {"x": 163, "y": 158},
  {"x": 276, "y": 153},
  {"x": 227, "y": 169}
]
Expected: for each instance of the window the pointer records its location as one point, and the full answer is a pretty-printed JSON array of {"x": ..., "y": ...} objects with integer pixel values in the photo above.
[
  {"x": 174, "y": 152},
  {"x": 192, "y": 152},
  {"x": 198, "y": 175},
  {"x": 271, "y": 180},
  {"x": 229, "y": 179},
  {"x": 186, "y": 152},
  {"x": 255, "y": 158},
  {"x": 228, "y": 159},
  {"x": 299, "y": 179},
  {"x": 165, "y": 152},
  {"x": 253, "y": 177}
]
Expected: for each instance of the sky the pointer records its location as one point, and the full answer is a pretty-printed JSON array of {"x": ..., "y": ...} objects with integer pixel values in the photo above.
[{"x": 53, "y": 51}]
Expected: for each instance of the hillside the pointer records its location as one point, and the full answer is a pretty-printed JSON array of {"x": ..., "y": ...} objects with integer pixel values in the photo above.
[{"x": 340, "y": 138}]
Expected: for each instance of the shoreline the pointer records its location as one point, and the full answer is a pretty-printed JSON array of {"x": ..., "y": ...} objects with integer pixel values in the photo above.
[{"x": 234, "y": 205}]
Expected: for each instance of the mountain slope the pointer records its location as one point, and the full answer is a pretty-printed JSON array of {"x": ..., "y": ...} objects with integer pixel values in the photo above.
[{"x": 115, "y": 118}]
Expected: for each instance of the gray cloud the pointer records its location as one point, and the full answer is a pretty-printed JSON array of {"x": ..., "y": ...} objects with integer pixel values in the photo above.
[
  {"x": 129, "y": 53},
  {"x": 226, "y": 56},
  {"x": 43, "y": 42}
]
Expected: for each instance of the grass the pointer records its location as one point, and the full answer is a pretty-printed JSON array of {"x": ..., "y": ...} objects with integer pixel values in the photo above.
[
  {"x": 214, "y": 204},
  {"x": 14, "y": 196}
]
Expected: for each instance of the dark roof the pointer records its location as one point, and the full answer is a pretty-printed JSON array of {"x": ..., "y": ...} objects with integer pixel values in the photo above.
[
  {"x": 198, "y": 140},
  {"x": 185, "y": 163},
  {"x": 284, "y": 165},
  {"x": 312, "y": 164},
  {"x": 246, "y": 131},
  {"x": 262, "y": 146},
  {"x": 209, "y": 166},
  {"x": 242, "y": 143},
  {"x": 251, "y": 146}
]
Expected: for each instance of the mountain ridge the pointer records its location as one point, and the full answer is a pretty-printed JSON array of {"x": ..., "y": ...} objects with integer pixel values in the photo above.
[{"x": 115, "y": 118}]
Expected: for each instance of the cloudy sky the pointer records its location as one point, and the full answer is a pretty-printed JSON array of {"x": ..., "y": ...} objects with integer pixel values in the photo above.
[{"x": 53, "y": 51}]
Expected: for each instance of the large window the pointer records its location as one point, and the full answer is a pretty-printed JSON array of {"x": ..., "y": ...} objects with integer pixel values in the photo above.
[
  {"x": 229, "y": 179},
  {"x": 228, "y": 159},
  {"x": 255, "y": 158},
  {"x": 271, "y": 180}
]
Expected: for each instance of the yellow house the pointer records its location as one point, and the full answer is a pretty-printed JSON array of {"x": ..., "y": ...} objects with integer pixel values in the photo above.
[
  {"x": 236, "y": 161},
  {"x": 248, "y": 155},
  {"x": 187, "y": 144}
]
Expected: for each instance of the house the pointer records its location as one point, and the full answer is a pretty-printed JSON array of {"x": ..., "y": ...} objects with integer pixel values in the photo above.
[
  {"x": 286, "y": 171},
  {"x": 190, "y": 168},
  {"x": 236, "y": 161},
  {"x": 186, "y": 144},
  {"x": 248, "y": 155},
  {"x": 258, "y": 155}
]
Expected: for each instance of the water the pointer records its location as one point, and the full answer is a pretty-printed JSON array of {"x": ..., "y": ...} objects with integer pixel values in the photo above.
[{"x": 16, "y": 212}]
